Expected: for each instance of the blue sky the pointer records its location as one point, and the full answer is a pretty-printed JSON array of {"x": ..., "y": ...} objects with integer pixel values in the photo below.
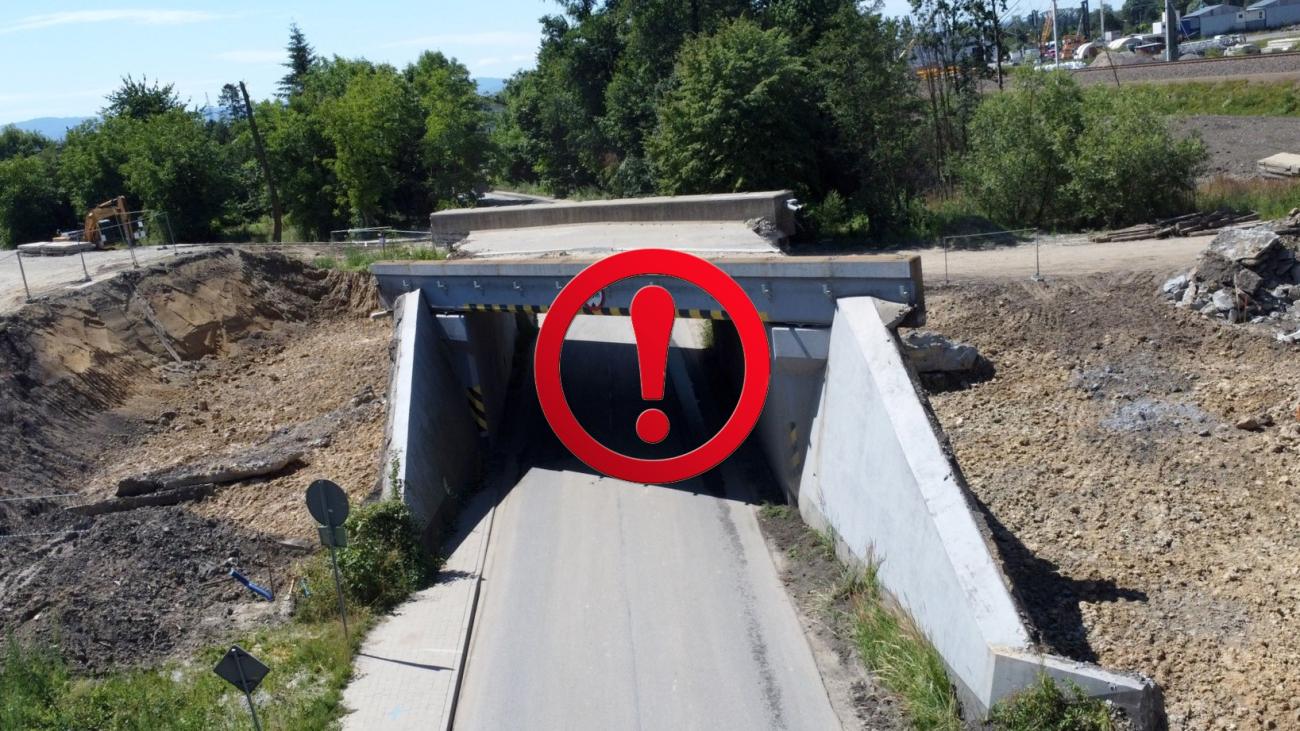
[{"x": 59, "y": 59}]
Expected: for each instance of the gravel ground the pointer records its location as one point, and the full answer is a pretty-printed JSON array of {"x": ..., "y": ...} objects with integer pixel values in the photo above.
[
  {"x": 1235, "y": 143},
  {"x": 1142, "y": 530},
  {"x": 1274, "y": 65}
]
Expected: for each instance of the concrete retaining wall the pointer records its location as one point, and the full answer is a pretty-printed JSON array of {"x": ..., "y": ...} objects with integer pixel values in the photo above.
[
  {"x": 877, "y": 476},
  {"x": 430, "y": 435},
  {"x": 724, "y": 207},
  {"x": 798, "y": 366}
]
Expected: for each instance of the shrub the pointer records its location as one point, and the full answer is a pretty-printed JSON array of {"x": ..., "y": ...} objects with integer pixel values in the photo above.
[
  {"x": 384, "y": 562},
  {"x": 1044, "y": 706},
  {"x": 1041, "y": 156},
  {"x": 835, "y": 218}
]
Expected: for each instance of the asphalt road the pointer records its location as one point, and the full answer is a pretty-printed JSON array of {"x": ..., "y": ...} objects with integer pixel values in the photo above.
[{"x": 609, "y": 605}]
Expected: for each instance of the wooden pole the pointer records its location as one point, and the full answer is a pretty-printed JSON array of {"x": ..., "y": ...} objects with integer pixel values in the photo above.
[{"x": 266, "y": 166}]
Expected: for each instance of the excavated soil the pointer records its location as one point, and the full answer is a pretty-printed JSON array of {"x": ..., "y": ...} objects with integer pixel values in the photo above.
[
  {"x": 1142, "y": 529},
  {"x": 206, "y": 356}
]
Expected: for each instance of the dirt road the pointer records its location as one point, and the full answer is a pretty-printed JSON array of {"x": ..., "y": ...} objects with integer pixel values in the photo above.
[{"x": 1057, "y": 256}]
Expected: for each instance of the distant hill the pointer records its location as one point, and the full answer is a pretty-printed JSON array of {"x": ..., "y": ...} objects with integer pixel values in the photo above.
[
  {"x": 489, "y": 86},
  {"x": 52, "y": 127}
]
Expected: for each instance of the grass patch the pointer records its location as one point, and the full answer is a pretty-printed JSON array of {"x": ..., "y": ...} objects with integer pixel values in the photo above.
[
  {"x": 1269, "y": 198},
  {"x": 900, "y": 655},
  {"x": 1238, "y": 97},
  {"x": 310, "y": 664},
  {"x": 1046, "y": 707},
  {"x": 359, "y": 259}
]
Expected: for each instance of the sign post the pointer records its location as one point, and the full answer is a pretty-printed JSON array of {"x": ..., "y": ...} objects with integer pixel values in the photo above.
[
  {"x": 328, "y": 504},
  {"x": 245, "y": 672}
]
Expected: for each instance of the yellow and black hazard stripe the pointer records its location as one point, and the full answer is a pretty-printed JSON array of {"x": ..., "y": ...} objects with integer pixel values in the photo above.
[
  {"x": 693, "y": 314},
  {"x": 530, "y": 309},
  {"x": 478, "y": 408},
  {"x": 796, "y": 456}
]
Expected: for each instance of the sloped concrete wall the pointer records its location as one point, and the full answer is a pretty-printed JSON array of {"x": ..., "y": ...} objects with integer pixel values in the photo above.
[
  {"x": 431, "y": 436},
  {"x": 876, "y": 476}
]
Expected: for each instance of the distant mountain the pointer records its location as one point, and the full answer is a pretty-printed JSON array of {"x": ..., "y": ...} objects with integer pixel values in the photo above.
[
  {"x": 489, "y": 86},
  {"x": 52, "y": 127}
]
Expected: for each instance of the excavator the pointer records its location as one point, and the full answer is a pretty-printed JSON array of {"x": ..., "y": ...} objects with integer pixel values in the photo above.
[{"x": 105, "y": 223}]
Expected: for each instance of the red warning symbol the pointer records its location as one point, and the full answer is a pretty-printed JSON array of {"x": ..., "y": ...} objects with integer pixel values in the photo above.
[{"x": 653, "y": 311}]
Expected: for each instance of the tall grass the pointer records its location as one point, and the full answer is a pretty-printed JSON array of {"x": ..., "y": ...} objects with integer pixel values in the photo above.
[
  {"x": 358, "y": 259},
  {"x": 1238, "y": 97},
  {"x": 900, "y": 655},
  {"x": 1269, "y": 198}
]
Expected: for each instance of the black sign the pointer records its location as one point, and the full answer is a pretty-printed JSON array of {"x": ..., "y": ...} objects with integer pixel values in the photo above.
[
  {"x": 241, "y": 670},
  {"x": 327, "y": 503}
]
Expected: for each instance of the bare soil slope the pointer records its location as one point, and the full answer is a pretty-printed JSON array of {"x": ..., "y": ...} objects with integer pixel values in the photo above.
[
  {"x": 1142, "y": 529},
  {"x": 213, "y": 353}
]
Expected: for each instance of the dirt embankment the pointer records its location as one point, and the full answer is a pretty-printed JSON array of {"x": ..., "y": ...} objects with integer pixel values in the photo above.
[
  {"x": 1143, "y": 530},
  {"x": 170, "y": 365}
]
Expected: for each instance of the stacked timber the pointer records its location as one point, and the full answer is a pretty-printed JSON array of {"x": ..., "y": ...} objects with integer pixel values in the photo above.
[{"x": 1185, "y": 225}]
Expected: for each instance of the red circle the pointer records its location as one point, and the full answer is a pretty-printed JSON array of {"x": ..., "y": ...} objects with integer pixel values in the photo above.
[
  {"x": 641, "y": 262},
  {"x": 652, "y": 426}
]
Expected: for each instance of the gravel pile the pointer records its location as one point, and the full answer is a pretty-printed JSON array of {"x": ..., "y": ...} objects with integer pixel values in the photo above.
[{"x": 1247, "y": 275}]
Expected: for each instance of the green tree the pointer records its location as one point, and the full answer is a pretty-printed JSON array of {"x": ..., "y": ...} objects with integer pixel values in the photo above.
[
  {"x": 173, "y": 165},
  {"x": 869, "y": 96},
  {"x": 454, "y": 148},
  {"x": 301, "y": 59},
  {"x": 15, "y": 142},
  {"x": 32, "y": 208},
  {"x": 90, "y": 168},
  {"x": 737, "y": 116},
  {"x": 141, "y": 100},
  {"x": 375, "y": 129}
]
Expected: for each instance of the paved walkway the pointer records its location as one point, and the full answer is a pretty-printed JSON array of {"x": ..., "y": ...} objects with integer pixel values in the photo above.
[{"x": 407, "y": 673}]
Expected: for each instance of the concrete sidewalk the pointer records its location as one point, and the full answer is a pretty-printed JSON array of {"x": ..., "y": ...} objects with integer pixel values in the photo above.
[{"x": 409, "y": 667}]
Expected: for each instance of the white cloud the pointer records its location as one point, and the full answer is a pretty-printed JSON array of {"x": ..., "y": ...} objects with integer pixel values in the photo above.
[
  {"x": 81, "y": 17},
  {"x": 469, "y": 40},
  {"x": 252, "y": 56}
]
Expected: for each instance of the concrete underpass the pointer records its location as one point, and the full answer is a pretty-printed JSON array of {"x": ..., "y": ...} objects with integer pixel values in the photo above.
[
  {"x": 608, "y": 604},
  {"x": 603, "y": 604}
]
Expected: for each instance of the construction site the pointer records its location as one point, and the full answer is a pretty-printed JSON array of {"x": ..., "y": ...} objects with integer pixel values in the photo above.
[{"x": 1090, "y": 474}]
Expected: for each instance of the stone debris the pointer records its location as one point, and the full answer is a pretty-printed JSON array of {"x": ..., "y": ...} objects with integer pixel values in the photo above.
[
  {"x": 933, "y": 353},
  {"x": 1247, "y": 275}
]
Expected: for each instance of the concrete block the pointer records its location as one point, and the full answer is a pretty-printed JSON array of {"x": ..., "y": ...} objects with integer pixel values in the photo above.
[
  {"x": 877, "y": 476},
  {"x": 718, "y": 207}
]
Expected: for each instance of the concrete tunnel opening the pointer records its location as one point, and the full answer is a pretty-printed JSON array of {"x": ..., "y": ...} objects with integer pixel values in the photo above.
[{"x": 845, "y": 434}]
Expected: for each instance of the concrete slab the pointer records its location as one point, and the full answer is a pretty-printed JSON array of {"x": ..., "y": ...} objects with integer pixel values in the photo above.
[
  {"x": 729, "y": 238},
  {"x": 409, "y": 669},
  {"x": 56, "y": 248},
  {"x": 735, "y": 207}
]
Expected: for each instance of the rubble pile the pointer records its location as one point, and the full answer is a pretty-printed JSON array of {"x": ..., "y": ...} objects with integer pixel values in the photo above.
[{"x": 1247, "y": 275}]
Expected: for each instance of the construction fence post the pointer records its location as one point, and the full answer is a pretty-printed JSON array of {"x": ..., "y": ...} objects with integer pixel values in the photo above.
[{"x": 23, "y": 273}]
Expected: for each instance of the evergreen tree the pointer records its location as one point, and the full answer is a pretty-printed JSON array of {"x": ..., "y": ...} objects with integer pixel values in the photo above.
[{"x": 299, "y": 63}]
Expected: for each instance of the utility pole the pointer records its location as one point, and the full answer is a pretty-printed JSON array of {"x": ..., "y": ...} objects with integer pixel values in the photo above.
[
  {"x": 266, "y": 166},
  {"x": 1056, "y": 37},
  {"x": 1171, "y": 35},
  {"x": 1101, "y": 15}
]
